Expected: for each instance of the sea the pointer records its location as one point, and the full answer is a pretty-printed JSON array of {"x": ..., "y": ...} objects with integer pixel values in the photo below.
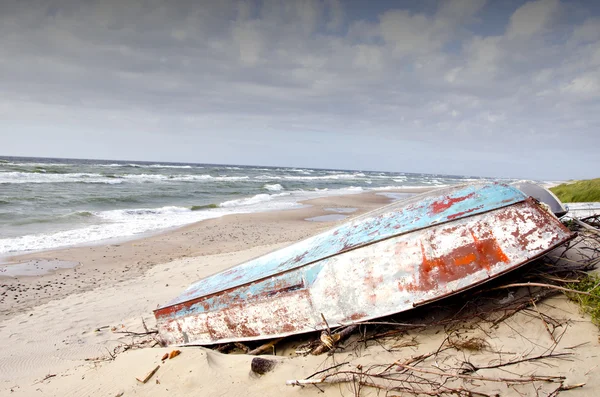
[{"x": 48, "y": 203}]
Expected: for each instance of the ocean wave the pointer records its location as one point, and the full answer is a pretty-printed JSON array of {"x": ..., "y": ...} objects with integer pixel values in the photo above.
[
  {"x": 259, "y": 198},
  {"x": 53, "y": 218},
  {"x": 359, "y": 175},
  {"x": 118, "y": 224},
  {"x": 131, "y": 165},
  {"x": 409, "y": 187},
  {"x": 36, "y": 177},
  {"x": 302, "y": 171},
  {"x": 273, "y": 187},
  {"x": 129, "y": 223},
  {"x": 32, "y": 177},
  {"x": 28, "y": 164}
]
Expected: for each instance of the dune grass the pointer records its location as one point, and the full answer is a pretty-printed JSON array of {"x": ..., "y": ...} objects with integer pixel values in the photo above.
[
  {"x": 579, "y": 191},
  {"x": 588, "y": 303}
]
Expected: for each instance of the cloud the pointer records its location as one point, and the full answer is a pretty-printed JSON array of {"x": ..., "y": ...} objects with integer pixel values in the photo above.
[
  {"x": 587, "y": 32},
  {"x": 532, "y": 17},
  {"x": 435, "y": 75}
]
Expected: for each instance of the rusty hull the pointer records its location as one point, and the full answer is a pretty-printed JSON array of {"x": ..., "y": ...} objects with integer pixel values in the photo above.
[{"x": 381, "y": 263}]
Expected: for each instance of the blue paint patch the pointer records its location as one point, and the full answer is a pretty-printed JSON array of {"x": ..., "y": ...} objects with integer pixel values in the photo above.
[
  {"x": 398, "y": 218},
  {"x": 311, "y": 273},
  {"x": 286, "y": 282}
]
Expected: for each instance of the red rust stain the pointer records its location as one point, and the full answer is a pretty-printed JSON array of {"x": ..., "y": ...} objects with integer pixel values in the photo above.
[
  {"x": 460, "y": 263},
  {"x": 287, "y": 327},
  {"x": 447, "y": 202},
  {"x": 459, "y": 214},
  {"x": 465, "y": 260},
  {"x": 489, "y": 251},
  {"x": 354, "y": 317},
  {"x": 372, "y": 283},
  {"x": 299, "y": 258}
]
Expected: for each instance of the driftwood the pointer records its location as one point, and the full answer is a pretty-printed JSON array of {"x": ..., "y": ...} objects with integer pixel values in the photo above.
[
  {"x": 265, "y": 347},
  {"x": 149, "y": 375},
  {"x": 586, "y": 226}
]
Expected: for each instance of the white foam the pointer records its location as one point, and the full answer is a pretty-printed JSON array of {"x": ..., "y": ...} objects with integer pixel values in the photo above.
[
  {"x": 117, "y": 224},
  {"x": 28, "y": 177},
  {"x": 322, "y": 177},
  {"x": 273, "y": 187},
  {"x": 259, "y": 198},
  {"x": 409, "y": 187}
]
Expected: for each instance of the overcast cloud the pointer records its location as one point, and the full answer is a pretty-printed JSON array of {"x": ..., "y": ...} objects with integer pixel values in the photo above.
[{"x": 457, "y": 87}]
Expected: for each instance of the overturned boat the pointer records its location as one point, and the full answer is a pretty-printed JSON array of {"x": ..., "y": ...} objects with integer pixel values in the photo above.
[{"x": 387, "y": 261}]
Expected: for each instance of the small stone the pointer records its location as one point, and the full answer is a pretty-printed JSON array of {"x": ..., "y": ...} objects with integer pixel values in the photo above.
[{"x": 261, "y": 365}]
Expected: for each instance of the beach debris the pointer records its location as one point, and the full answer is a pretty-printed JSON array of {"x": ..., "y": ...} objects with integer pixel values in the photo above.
[
  {"x": 48, "y": 376},
  {"x": 165, "y": 356},
  {"x": 174, "y": 354},
  {"x": 261, "y": 365},
  {"x": 474, "y": 343},
  {"x": 467, "y": 361},
  {"x": 99, "y": 329},
  {"x": 119, "y": 394},
  {"x": 148, "y": 375},
  {"x": 269, "y": 346},
  {"x": 329, "y": 341},
  {"x": 424, "y": 375}
]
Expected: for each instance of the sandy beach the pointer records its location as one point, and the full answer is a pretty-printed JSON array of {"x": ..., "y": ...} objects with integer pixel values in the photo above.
[{"x": 57, "y": 330}]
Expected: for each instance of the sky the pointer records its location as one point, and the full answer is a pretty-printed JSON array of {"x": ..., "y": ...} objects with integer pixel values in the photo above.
[{"x": 464, "y": 87}]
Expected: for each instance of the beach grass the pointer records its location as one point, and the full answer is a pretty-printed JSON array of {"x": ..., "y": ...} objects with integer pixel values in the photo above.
[
  {"x": 590, "y": 304},
  {"x": 578, "y": 191}
]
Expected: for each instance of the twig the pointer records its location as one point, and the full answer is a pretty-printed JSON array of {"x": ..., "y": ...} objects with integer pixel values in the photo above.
[
  {"x": 586, "y": 226},
  {"x": 514, "y": 362},
  {"x": 149, "y": 375},
  {"x": 484, "y": 378},
  {"x": 327, "y": 369},
  {"x": 543, "y": 321},
  {"x": 137, "y": 333},
  {"x": 326, "y": 324},
  {"x": 565, "y": 388},
  {"x": 542, "y": 285}
]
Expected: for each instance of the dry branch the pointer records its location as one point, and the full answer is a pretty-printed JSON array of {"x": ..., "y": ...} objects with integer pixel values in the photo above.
[
  {"x": 544, "y": 286},
  {"x": 149, "y": 375},
  {"x": 263, "y": 348}
]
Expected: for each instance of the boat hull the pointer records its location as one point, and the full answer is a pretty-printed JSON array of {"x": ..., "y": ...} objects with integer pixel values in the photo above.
[{"x": 375, "y": 279}]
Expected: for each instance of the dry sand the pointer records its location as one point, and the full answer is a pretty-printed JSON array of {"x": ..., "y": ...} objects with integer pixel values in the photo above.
[{"x": 51, "y": 324}]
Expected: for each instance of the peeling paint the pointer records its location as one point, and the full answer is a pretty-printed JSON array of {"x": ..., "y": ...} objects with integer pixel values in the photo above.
[{"x": 423, "y": 249}]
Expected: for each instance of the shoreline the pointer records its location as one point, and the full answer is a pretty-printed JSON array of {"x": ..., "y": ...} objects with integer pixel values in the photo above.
[
  {"x": 99, "y": 265},
  {"x": 62, "y": 344}
]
